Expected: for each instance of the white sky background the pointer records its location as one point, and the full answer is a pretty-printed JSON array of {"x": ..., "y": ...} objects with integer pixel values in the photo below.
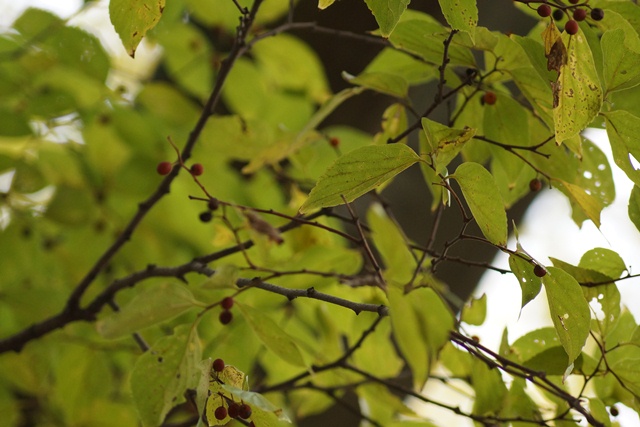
[{"x": 546, "y": 230}]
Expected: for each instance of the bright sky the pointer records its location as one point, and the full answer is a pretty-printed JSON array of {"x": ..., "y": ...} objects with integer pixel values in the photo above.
[{"x": 547, "y": 228}]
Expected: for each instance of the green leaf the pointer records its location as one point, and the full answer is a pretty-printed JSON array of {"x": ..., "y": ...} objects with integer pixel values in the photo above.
[
  {"x": 588, "y": 204},
  {"x": 399, "y": 263},
  {"x": 382, "y": 82},
  {"x": 406, "y": 331},
  {"x": 387, "y": 13},
  {"x": 634, "y": 206},
  {"x": 623, "y": 129},
  {"x": 162, "y": 375},
  {"x": 518, "y": 404},
  {"x": 577, "y": 92},
  {"x": 483, "y": 197},
  {"x": 622, "y": 66},
  {"x": 462, "y": 15},
  {"x": 271, "y": 335},
  {"x": 604, "y": 261},
  {"x": 569, "y": 310},
  {"x": 133, "y": 18},
  {"x": 394, "y": 122},
  {"x": 153, "y": 305},
  {"x": 489, "y": 387},
  {"x": 474, "y": 311},
  {"x": 359, "y": 172},
  {"x": 443, "y": 143},
  {"x": 435, "y": 320}
]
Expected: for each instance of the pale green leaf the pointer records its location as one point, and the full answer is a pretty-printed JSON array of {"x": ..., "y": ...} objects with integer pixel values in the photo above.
[
  {"x": 569, "y": 310},
  {"x": 604, "y": 261},
  {"x": 489, "y": 387},
  {"x": 518, "y": 404},
  {"x": 462, "y": 15},
  {"x": 435, "y": 319},
  {"x": 387, "y": 13},
  {"x": 405, "y": 323},
  {"x": 162, "y": 375},
  {"x": 271, "y": 335},
  {"x": 359, "y": 172},
  {"x": 323, "y": 4},
  {"x": 623, "y": 129},
  {"x": 443, "y": 143},
  {"x": 484, "y": 199},
  {"x": 224, "y": 277},
  {"x": 577, "y": 92},
  {"x": 529, "y": 282},
  {"x": 622, "y": 65},
  {"x": 474, "y": 311},
  {"x": 390, "y": 84},
  {"x": 394, "y": 122},
  {"x": 634, "y": 206},
  {"x": 133, "y": 18},
  {"x": 399, "y": 263},
  {"x": 150, "y": 307},
  {"x": 590, "y": 205}
]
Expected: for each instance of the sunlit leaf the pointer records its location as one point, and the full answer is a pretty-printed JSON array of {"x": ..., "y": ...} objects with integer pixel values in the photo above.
[
  {"x": 484, "y": 200},
  {"x": 634, "y": 206},
  {"x": 623, "y": 129},
  {"x": 474, "y": 311},
  {"x": 462, "y": 15},
  {"x": 132, "y": 20},
  {"x": 358, "y": 172},
  {"x": 390, "y": 84},
  {"x": 162, "y": 375},
  {"x": 577, "y": 93},
  {"x": 150, "y": 307},
  {"x": 569, "y": 310},
  {"x": 271, "y": 335},
  {"x": 387, "y": 13},
  {"x": 443, "y": 143}
]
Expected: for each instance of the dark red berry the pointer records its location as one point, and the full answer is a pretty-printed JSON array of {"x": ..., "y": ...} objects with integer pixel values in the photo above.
[
  {"x": 544, "y": 10},
  {"x": 614, "y": 411},
  {"x": 579, "y": 14},
  {"x": 558, "y": 14},
  {"x": 251, "y": 424},
  {"x": 535, "y": 185},
  {"x": 597, "y": 14},
  {"x": 574, "y": 1},
  {"x": 164, "y": 168},
  {"x": 571, "y": 27},
  {"x": 245, "y": 411},
  {"x": 334, "y": 142},
  {"x": 539, "y": 270},
  {"x": 489, "y": 98},
  {"x": 234, "y": 410},
  {"x": 206, "y": 216},
  {"x": 197, "y": 169},
  {"x": 227, "y": 303},
  {"x": 218, "y": 365},
  {"x": 475, "y": 338},
  {"x": 225, "y": 317},
  {"x": 220, "y": 413},
  {"x": 213, "y": 204}
]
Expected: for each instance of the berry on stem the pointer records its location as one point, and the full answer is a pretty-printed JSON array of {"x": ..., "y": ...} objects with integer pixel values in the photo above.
[
  {"x": 220, "y": 413},
  {"x": 597, "y": 14},
  {"x": 334, "y": 142},
  {"x": 164, "y": 168},
  {"x": 535, "y": 185},
  {"x": 225, "y": 317},
  {"x": 197, "y": 169},
  {"x": 227, "y": 303},
  {"x": 489, "y": 98},
  {"x": 213, "y": 204},
  {"x": 614, "y": 411},
  {"x": 218, "y": 365},
  {"x": 234, "y": 410},
  {"x": 206, "y": 216},
  {"x": 544, "y": 10},
  {"x": 579, "y": 14},
  {"x": 558, "y": 14},
  {"x": 571, "y": 27},
  {"x": 574, "y": 1},
  {"x": 539, "y": 270},
  {"x": 245, "y": 411}
]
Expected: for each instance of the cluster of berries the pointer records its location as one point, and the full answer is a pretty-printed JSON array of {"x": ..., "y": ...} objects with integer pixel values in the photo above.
[
  {"x": 579, "y": 14},
  {"x": 232, "y": 409},
  {"x": 226, "y": 315}
]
